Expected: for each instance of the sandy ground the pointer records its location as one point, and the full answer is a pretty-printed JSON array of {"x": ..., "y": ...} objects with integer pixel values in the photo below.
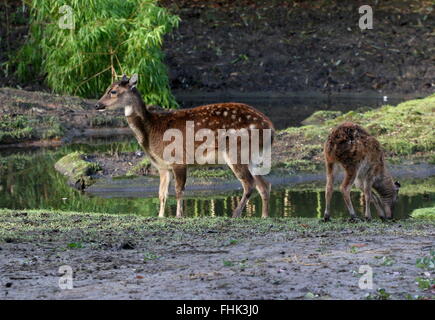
[{"x": 221, "y": 259}]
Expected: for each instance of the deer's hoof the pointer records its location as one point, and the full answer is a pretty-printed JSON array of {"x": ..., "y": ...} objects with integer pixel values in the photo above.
[
  {"x": 367, "y": 219},
  {"x": 353, "y": 219},
  {"x": 326, "y": 219}
]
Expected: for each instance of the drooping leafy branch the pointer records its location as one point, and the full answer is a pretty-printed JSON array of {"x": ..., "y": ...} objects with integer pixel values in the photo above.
[{"x": 110, "y": 37}]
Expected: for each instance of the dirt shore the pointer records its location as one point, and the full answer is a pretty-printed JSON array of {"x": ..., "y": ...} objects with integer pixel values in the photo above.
[{"x": 129, "y": 257}]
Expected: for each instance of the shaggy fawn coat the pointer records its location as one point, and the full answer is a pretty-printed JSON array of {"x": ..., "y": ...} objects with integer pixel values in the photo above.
[{"x": 362, "y": 159}]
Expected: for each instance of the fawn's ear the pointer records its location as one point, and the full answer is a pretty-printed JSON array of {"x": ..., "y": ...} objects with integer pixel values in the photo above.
[
  {"x": 397, "y": 184},
  {"x": 124, "y": 79},
  {"x": 133, "y": 81}
]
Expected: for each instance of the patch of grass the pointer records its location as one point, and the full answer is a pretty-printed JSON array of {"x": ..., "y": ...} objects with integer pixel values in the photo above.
[
  {"x": 386, "y": 261},
  {"x": 381, "y": 294},
  {"x": 208, "y": 173},
  {"x": 14, "y": 129},
  {"x": 42, "y": 225},
  {"x": 428, "y": 262},
  {"x": 77, "y": 168},
  {"x": 424, "y": 213},
  {"x": 140, "y": 168},
  {"x": 108, "y": 121},
  {"x": 228, "y": 263},
  {"x": 299, "y": 165},
  {"x": 74, "y": 245},
  {"x": 232, "y": 242},
  {"x": 319, "y": 117},
  {"x": 148, "y": 256},
  {"x": 425, "y": 283}
]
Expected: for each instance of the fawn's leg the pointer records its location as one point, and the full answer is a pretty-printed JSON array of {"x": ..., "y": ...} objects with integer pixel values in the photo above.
[
  {"x": 165, "y": 179},
  {"x": 245, "y": 177},
  {"x": 349, "y": 178},
  {"x": 180, "y": 173},
  {"x": 367, "y": 189},
  {"x": 328, "y": 189},
  {"x": 263, "y": 188},
  {"x": 378, "y": 205}
]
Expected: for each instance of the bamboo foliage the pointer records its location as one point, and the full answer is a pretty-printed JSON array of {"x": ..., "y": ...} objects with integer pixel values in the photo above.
[{"x": 110, "y": 37}]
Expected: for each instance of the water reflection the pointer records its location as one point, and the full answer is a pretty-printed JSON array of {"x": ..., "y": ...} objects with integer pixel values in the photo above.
[{"x": 29, "y": 181}]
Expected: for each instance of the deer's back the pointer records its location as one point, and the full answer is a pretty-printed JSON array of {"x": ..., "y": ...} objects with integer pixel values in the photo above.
[
  {"x": 350, "y": 144},
  {"x": 217, "y": 116},
  {"x": 214, "y": 117}
]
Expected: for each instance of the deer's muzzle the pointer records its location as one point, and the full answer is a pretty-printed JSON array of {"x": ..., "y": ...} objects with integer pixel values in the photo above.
[{"x": 100, "y": 106}]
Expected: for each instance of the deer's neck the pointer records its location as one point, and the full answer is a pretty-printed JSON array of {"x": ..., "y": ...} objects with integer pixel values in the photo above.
[{"x": 139, "y": 120}]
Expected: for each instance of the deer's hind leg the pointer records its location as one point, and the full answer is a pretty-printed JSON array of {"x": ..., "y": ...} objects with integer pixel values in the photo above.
[
  {"x": 346, "y": 186},
  {"x": 180, "y": 173},
  {"x": 263, "y": 188},
  {"x": 242, "y": 173},
  {"x": 165, "y": 179}
]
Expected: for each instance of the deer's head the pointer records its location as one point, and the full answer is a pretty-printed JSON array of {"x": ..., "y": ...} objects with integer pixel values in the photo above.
[
  {"x": 122, "y": 94},
  {"x": 389, "y": 194}
]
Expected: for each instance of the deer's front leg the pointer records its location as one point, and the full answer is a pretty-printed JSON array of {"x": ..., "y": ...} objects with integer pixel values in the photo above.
[
  {"x": 378, "y": 204},
  {"x": 165, "y": 179},
  {"x": 180, "y": 173}
]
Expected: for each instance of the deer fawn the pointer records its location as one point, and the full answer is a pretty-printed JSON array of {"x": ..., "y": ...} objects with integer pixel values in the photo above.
[
  {"x": 362, "y": 158},
  {"x": 150, "y": 128}
]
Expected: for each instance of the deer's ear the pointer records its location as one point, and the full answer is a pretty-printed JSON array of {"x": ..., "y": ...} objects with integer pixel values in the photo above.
[
  {"x": 397, "y": 184},
  {"x": 133, "y": 81},
  {"x": 124, "y": 79}
]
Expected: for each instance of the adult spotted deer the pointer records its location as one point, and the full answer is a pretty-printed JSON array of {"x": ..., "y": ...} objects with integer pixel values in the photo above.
[
  {"x": 362, "y": 158},
  {"x": 213, "y": 122}
]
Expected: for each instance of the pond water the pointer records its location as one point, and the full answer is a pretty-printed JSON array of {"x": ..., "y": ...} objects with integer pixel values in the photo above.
[{"x": 29, "y": 181}]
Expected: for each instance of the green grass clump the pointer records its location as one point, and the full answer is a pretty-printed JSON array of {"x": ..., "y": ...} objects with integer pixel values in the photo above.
[
  {"x": 140, "y": 168},
  {"x": 76, "y": 168},
  {"x": 319, "y": 117},
  {"x": 14, "y": 129},
  {"x": 209, "y": 173},
  {"x": 424, "y": 213}
]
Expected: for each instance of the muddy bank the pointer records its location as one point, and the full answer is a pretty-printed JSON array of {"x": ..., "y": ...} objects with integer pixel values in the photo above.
[
  {"x": 129, "y": 257},
  {"x": 31, "y": 118}
]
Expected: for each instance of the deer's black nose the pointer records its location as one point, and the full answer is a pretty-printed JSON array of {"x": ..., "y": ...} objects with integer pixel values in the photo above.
[{"x": 99, "y": 106}]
